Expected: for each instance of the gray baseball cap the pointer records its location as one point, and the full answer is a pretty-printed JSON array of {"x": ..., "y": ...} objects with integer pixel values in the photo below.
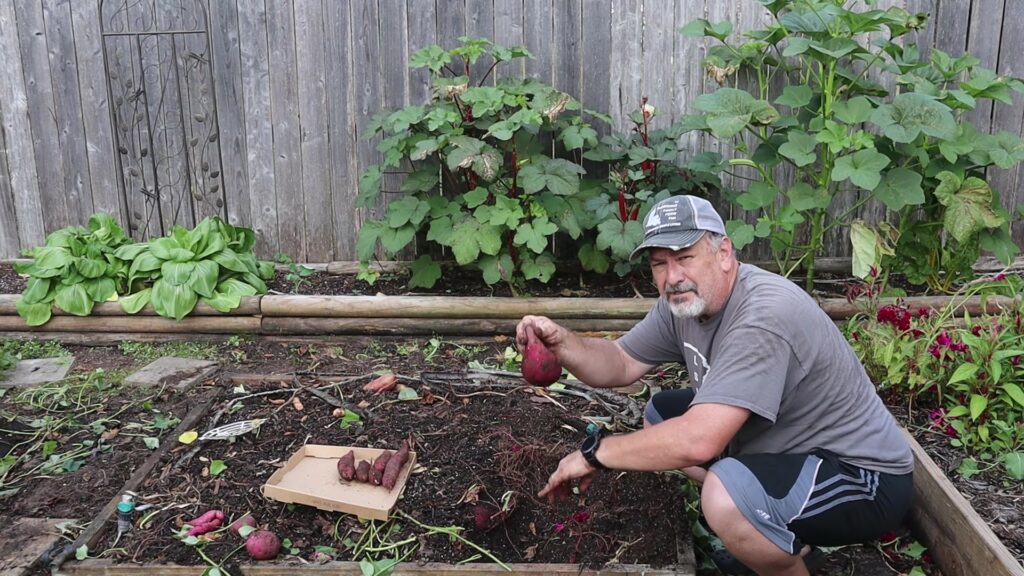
[{"x": 679, "y": 222}]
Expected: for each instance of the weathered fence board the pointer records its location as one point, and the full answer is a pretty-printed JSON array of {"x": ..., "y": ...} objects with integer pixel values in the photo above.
[
  {"x": 41, "y": 111},
  {"x": 295, "y": 85}
]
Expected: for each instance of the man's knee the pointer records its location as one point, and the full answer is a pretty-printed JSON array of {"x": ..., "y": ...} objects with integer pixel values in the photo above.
[{"x": 717, "y": 504}]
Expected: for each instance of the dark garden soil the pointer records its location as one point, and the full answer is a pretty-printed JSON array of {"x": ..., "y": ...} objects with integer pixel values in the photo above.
[{"x": 494, "y": 434}]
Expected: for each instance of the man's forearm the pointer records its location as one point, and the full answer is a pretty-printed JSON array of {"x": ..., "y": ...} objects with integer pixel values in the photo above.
[{"x": 596, "y": 362}]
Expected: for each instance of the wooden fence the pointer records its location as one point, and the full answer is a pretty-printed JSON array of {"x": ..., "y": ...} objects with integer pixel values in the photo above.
[{"x": 272, "y": 98}]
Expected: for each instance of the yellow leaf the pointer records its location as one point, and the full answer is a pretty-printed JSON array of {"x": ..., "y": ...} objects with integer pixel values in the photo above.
[{"x": 188, "y": 437}]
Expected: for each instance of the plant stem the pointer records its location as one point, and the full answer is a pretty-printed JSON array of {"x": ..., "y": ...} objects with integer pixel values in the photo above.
[{"x": 453, "y": 532}]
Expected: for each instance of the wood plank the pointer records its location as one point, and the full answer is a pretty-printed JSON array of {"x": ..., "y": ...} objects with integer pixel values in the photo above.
[
  {"x": 227, "y": 89},
  {"x": 951, "y": 26},
  {"x": 249, "y": 306},
  {"x": 106, "y": 568},
  {"x": 565, "y": 47},
  {"x": 480, "y": 24},
  {"x": 596, "y": 32},
  {"x": 658, "y": 81},
  {"x": 367, "y": 89},
  {"x": 508, "y": 32},
  {"x": 959, "y": 540},
  {"x": 983, "y": 40},
  {"x": 341, "y": 127},
  {"x": 538, "y": 35},
  {"x": 35, "y": 63},
  {"x": 451, "y": 23},
  {"x": 688, "y": 54},
  {"x": 394, "y": 58},
  {"x": 17, "y": 128},
  {"x": 259, "y": 135},
  {"x": 187, "y": 325},
  {"x": 627, "y": 62},
  {"x": 446, "y": 307},
  {"x": 422, "y": 33},
  {"x": 279, "y": 325},
  {"x": 312, "y": 94},
  {"x": 1011, "y": 119},
  {"x": 100, "y": 150},
  {"x": 60, "y": 41},
  {"x": 9, "y": 245},
  {"x": 284, "y": 111}
]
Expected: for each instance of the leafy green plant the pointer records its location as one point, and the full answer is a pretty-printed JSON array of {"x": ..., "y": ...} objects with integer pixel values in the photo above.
[
  {"x": 968, "y": 371},
  {"x": 212, "y": 263},
  {"x": 75, "y": 269},
  {"x": 297, "y": 274},
  {"x": 642, "y": 170},
  {"x": 841, "y": 133},
  {"x": 481, "y": 179}
]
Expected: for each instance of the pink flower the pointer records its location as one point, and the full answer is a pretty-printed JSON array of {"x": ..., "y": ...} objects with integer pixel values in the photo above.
[
  {"x": 1015, "y": 360},
  {"x": 999, "y": 277},
  {"x": 976, "y": 330},
  {"x": 943, "y": 339},
  {"x": 894, "y": 315}
]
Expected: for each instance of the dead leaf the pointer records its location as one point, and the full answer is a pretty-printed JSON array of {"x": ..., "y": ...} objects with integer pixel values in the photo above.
[
  {"x": 110, "y": 434},
  {"x": 533, "y": 528},
  {"x": 500, "y": 338},
  {"x": 276, "y": 401},
  {"x": 363, "y": 404},
  {"x": 297, "y": 404},
  {"x": 530, "y": 552},
  {"x": 471, "y": 495}
]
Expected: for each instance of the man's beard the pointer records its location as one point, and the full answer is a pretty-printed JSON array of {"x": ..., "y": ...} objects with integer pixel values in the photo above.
[{"x": 692, "y": 309}]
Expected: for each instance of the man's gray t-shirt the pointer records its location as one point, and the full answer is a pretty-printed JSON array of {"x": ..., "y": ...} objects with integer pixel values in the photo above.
[{"x": 775, "y": 352}]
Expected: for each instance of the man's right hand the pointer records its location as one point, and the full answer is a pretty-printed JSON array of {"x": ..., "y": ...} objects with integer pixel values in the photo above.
[{"x": 545, "y": 329}]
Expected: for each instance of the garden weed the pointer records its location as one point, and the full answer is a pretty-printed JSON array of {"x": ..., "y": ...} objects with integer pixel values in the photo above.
[{"x": 146, "y": 352}]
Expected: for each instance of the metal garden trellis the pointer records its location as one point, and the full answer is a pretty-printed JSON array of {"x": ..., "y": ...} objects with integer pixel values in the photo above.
[{"x": 163, "y": 111}]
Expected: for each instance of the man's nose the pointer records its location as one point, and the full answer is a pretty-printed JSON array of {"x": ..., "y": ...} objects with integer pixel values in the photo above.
[{"x": 675, "y": 273}]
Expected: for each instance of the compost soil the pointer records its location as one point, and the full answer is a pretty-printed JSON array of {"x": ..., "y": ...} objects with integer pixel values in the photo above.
[{"x": 82, "y": 498}]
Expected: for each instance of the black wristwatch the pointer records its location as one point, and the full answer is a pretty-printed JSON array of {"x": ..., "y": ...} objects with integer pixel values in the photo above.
[{"x": 589, "y": 449}]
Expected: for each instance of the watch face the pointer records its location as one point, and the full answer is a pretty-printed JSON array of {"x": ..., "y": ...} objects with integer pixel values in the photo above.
[{"x": 590, "y": 443}]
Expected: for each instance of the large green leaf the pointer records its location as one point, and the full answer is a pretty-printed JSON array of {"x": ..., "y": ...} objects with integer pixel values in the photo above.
[
  {"x": 229, "y": 259},
  {"x": 132, "y": 304},
  {"x": 223, "y": 302},
  {"x": 34, "y": 314},
  {"x": 36, "y": 290},
  {"x": 204, "y": 277},
  {"x": 978, "y": 405},
  {"x": 800, "y": 147},
  {"x": 236, "y": 287},
  {"x": 864, "y": 241},
  {"x": 900, "y": 187},
  {"x": 968, "y": 205},
  {"x": 730, "y": 110},
  {"x": 1014, "y": 464},
  {"x": 559, "y": 176},
  {"x": 499, "y": 268},
  {"x": 620, "y": 237},
  {"x": 853, "y": 111},
  {"x": 100, "y": 289},
  {"x": 74, "y": 300},
  {"x": 170, "y": 249},
  {"x": 1014, "y": 392},
  {"x": 52, "y": 257},
  {"x": 911, "y": 114},
  {"x": 803, "y": 196},
  {"x": 177, "y": 273},
  {"x": 173, "y": 301},
  {"x": 534, "y": 235},
  {"x": 425, "y": 272},
  {"x": 90, "y": 267},
  {"x": 863, "y": 168}
]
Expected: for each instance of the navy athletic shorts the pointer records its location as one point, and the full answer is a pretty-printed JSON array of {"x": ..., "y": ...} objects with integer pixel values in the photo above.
[{"x": 797, "y": 499}]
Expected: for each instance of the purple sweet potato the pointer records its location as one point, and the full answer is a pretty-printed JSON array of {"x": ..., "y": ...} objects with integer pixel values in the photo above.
[
  {"x": 363, "y": 471},
  {"x": 395, "y": 464},
  {"x": 379, "y": 465},
  {"x": 347, "y": 465}
]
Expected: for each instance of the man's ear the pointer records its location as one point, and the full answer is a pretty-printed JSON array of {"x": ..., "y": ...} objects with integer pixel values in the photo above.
[{"x": 726, "y": 254}]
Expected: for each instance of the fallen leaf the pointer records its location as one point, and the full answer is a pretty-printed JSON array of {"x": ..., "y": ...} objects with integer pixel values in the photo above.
[
  {"x": 363, "y": 404},
  {"x": 188, "y": 437},
  {"x": 530, "y": 552},
  {"x": 471, "y": 495},
  {"x": 500, "y": 338},
  {"x": 110, "y": 434},
  {"x": 297, "y": 404},
  {"x": 276, "y": 401}
]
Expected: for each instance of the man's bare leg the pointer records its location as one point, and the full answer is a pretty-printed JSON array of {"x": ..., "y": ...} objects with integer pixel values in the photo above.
[{"x": 741, "y": 538}]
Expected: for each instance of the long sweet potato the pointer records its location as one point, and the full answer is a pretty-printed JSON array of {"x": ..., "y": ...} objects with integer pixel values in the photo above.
[
  {"x": 395, "y": 464},
  {"x": 377, "y": 471},
  {"x": 347, "y": 465}
]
